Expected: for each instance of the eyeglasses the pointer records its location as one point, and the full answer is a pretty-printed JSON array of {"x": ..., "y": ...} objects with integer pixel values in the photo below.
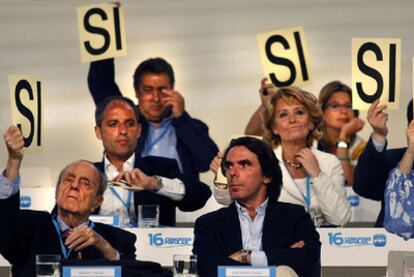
[{"x": 336, "y": 106}]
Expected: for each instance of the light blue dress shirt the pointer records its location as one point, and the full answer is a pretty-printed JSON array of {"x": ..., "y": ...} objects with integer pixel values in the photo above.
[
  {"x": 252, "y": 231},
  {"x": 8, "y": 187},
  {"x": 161, "y": 141}
]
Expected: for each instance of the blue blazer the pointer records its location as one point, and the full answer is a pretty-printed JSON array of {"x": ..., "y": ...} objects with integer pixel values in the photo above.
[
  {"x": 194, "y": 146},
  {"x": 371, "y": 174},
  {"x": 218, "y": 235}
]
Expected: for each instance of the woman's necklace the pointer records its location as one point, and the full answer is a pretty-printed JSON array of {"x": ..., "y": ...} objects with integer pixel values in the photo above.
[{"x": 292, "y": 164}]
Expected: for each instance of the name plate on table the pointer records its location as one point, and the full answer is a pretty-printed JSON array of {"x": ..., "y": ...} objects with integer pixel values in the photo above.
[
  {"x": 246, "y": 271},
  {"x": 91, "y": 271},
  {"x": 106, "y": 219}
]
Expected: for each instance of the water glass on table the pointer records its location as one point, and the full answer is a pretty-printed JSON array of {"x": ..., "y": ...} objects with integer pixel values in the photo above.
[
  {"x": 408, "y": 265},
  {"x": 48, "y": 265},
  {"x": 148, "y": 216},
  {"x": 185, "y": 265}
]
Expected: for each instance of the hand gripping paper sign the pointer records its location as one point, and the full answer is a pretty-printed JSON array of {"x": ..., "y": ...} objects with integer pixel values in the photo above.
[
  {"x": 101, "y": 32},
  {"x": 376, "y": 71},
  {"x": 26, "y": 107},
  {"x": 285, "y": 57}
]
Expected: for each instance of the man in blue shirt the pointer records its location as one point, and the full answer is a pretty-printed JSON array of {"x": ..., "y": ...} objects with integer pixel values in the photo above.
[
  {"x": 256, "y": 229},
  {"x": 167, "y": 129}
]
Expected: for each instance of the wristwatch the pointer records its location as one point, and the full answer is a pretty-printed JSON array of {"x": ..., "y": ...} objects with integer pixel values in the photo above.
[
  {"x": 342, "y": 144},
  {"x": 159, "y": 184},
  {"x": 244, "y": 255}
]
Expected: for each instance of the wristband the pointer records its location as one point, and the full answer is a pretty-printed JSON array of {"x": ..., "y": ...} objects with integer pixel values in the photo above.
[{"x": 344, "y": 158}]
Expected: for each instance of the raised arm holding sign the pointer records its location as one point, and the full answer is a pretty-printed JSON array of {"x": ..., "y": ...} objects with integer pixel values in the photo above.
[{"x": 376, "y": 161}]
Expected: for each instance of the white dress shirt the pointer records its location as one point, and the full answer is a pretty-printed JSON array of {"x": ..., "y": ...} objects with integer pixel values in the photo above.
[{"x": 171, "y": 188}]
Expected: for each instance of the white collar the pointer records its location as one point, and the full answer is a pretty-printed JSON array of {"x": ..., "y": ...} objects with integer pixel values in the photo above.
[{"x": 111, "y": 171}]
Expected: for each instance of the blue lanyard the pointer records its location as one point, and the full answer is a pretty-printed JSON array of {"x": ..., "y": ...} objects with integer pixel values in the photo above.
[
  {"x": 150, "y": 144},
  {"x": 127, "y": 205},
  {"x": 306, "y": 197},
  {"x": 65, "y": 252}
]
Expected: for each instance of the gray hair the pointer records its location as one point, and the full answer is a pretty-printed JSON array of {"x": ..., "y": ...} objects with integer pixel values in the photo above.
[{"x": 102, "y": 178}]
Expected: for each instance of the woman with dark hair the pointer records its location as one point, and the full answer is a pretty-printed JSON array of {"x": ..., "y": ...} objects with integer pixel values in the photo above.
[{"x": 340, "y": 127}]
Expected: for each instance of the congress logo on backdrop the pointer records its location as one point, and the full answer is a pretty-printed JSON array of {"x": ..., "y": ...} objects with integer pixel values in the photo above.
[
  {"x": 353, "y": 200},
  {"x": 379, "y": 240},
  {"x": 158, "y": 240},
  {"x": 339, "y": 240},
  {"x": 25, "y": 201}
]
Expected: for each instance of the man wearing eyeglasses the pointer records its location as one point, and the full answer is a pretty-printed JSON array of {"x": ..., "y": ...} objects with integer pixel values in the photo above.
[{"x": 167, "y": 129}]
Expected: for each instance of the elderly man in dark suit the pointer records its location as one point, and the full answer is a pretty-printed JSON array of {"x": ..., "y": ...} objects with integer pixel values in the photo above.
[
  {"x": 69, "y": 233},
  {"x": 256, "y": 229}
]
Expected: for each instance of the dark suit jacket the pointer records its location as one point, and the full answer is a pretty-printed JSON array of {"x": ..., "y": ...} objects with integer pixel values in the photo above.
[
  {"x": 371, "y": 174},
  {"x": 194, "y": 146},
  {"x": 196, "y": 192},
  {"x": 26, "y": 233},
  {"x": 218, "y": 235}
]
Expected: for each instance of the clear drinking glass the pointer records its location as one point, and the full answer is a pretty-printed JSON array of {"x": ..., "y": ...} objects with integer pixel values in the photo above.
[
  {"x": 48, "y": 265},
  {"x": 185, "y": 265},
  {"x": 408, "y": 265},
  {"x": 148, "y": 216}
]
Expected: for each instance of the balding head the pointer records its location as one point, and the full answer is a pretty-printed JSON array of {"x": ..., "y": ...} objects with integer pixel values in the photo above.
[{"x": 80, "y": 188}]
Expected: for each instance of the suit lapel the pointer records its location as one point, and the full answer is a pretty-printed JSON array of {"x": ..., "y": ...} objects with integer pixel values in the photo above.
[
  {"x": 100, "y": 166},
  {"x": 142, "y": 138},
  {"x": 230, "y": 229},
  {"x": 272, "y": 226}
]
